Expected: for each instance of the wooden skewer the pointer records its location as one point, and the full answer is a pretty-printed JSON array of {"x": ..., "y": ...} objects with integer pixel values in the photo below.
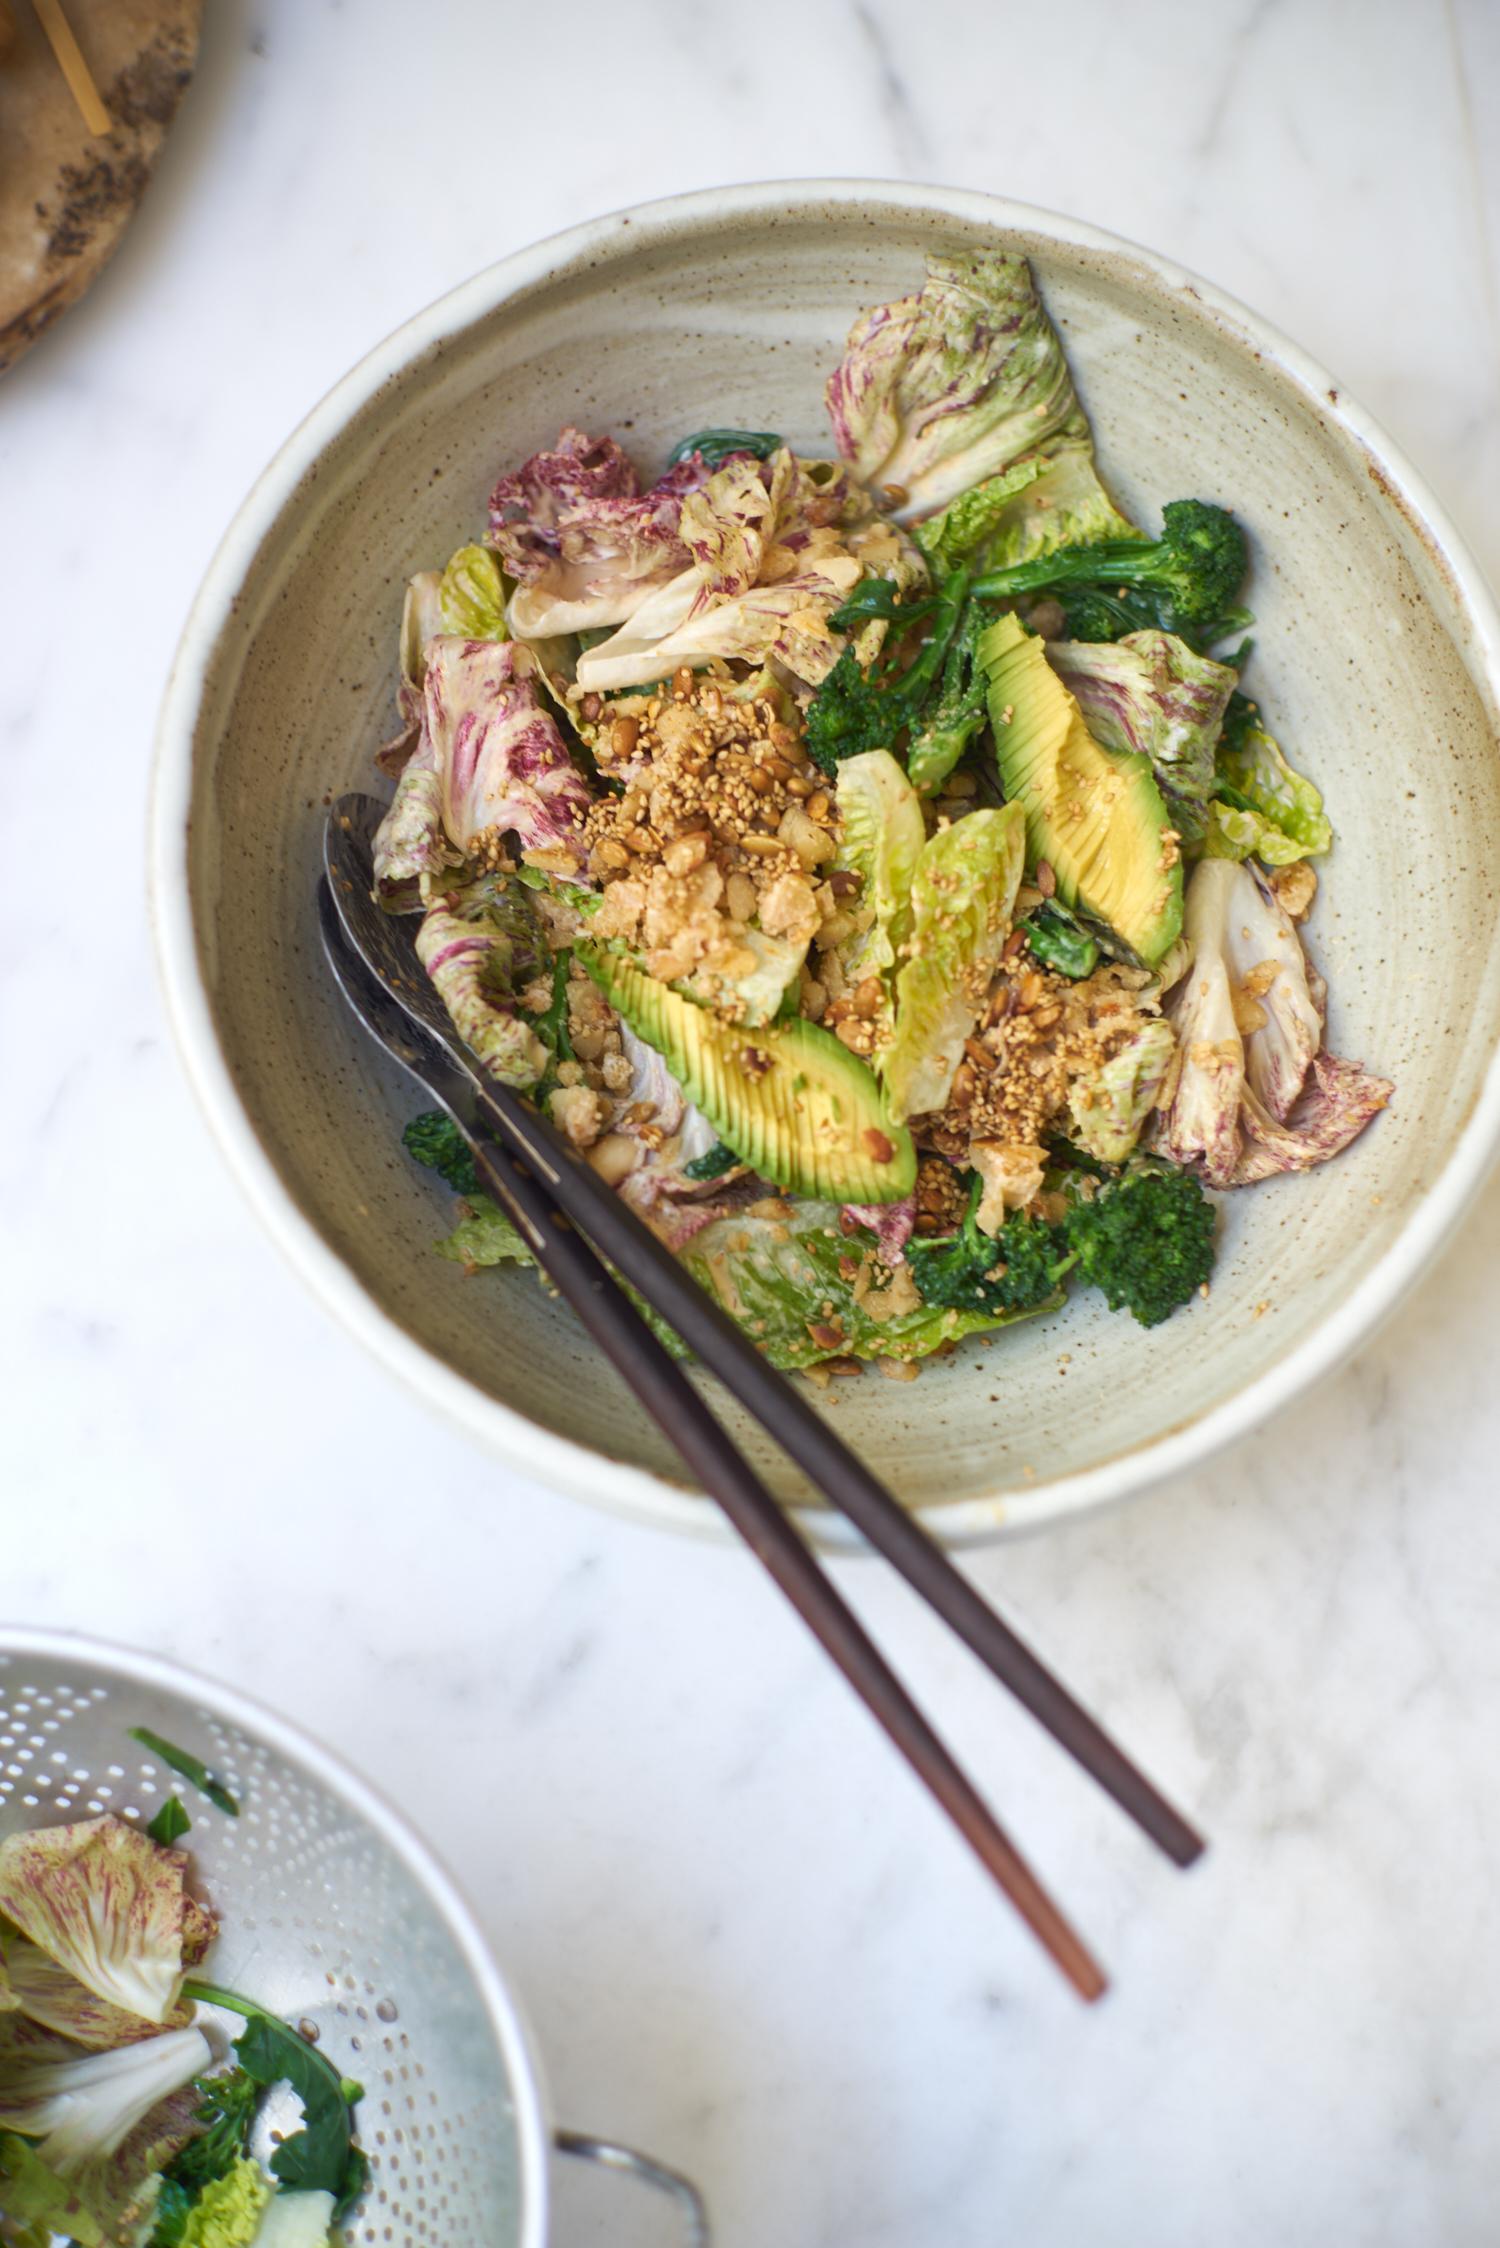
[{"x": 70, "y": 60}]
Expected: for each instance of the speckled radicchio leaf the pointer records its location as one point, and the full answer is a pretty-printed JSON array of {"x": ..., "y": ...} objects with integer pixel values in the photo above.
[
  {"x": 584, "y": 542},
  {"x": 892, "y": 1224},
  {"x": 106, "y": 1903},
  {"x": 471, "y": 956},
  {"x": 938, "y": 391},
  {"x": 46, "y": 1993},
  {"x": 1248, "y": 1102},
  {"x": 1151, "y": 694},
  {"x": 412, "y": 855},
  {"x": 1336, "y": 1103},
  {"x": 503, "y": 766},
  {"x": 491, "y": 762},
  {"x": 749, "y": 508}
]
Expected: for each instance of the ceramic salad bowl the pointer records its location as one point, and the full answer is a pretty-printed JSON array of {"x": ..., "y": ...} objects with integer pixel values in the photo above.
[{"x": 1378, "y": 649}]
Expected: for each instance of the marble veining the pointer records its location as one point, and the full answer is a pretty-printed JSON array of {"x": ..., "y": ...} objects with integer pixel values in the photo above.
[{"x": 744, "y": 1940}]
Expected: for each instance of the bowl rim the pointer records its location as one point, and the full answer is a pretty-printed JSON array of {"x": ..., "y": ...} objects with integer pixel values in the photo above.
[
  {"x": 519, "y": 2054},
  {"x": 558, "y": 1460}
]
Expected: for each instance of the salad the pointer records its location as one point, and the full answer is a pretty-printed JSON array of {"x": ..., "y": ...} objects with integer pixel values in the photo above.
[
  {"x": 120, "y": 2122},
  {"x": 875, "y": 864}
]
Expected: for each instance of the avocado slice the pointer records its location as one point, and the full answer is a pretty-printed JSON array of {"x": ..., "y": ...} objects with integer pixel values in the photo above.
[
  {"x": 1095, "y": 815},
  {"x": 788, "y": 1099}
]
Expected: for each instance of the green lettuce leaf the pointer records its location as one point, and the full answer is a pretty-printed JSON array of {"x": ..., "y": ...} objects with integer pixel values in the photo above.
[
  {"x": 485, "y": 1237},
  {"x": 229, "y": 2212},
  {"x": 1053, "y": 499},
  {"x": 782, "y": 1279},
  {"x": 471, "y": 596},
  {"x": 1260, "y": 804},
  {"x": 33, "y": 2195},
  {"x": 963, "y": 896}
]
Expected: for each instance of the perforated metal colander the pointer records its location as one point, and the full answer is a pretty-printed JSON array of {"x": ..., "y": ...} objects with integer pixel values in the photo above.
[{"x": 332, "y": 1914}]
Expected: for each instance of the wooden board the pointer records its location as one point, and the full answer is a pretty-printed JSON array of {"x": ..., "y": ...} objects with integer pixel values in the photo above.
[{"x": 66, "y": 196}]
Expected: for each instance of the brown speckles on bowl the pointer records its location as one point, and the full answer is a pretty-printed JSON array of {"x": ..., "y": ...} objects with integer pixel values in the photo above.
[{"x": 1374, "y": 650}]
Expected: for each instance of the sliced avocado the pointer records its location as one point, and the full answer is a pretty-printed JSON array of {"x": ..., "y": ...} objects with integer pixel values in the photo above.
[
  {"x": 788, "y": 1098},
  {"x": 1095, "y": 815}
]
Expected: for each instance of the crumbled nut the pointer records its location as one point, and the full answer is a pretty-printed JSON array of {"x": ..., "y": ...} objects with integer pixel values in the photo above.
[
  {"x": 900, "y": 1369},
  {"x": 1295, "y": 887},
  {"x": 880, "y": 1147},
  {"x": 825, "y": 1334},
  {"x": 579, "y": 1113},
  {"x": 685, "y": 853}
]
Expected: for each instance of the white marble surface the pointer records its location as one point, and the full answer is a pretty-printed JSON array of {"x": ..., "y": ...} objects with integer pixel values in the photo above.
[{"x": 744, "y": 1939}]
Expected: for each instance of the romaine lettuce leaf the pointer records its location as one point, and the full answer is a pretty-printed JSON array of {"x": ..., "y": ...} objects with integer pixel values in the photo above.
[
  {"x": 805, "y": 1290},
  {"x": 962, "y": 898},
  {"x": 882, "y": 837},
  {"x": 298, "y": 2220}
]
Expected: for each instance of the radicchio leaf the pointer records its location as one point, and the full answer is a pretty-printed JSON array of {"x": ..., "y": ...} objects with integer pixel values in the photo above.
[
  {"x": 107, "y": 1904},
  {"x": 585, "y": 544}
]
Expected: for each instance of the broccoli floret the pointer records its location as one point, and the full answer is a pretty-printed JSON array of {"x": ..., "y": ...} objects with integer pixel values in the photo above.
[
  {"x": 1185, "y": 581},
  {"x": 1145, "y": 1239},
  {"x": 436, "y": 1141},
  {"x": 1017, "y": 1269},
  {"x": 856, "y": 710}
]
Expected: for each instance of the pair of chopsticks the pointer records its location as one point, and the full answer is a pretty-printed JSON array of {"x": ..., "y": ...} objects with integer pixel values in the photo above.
[{"x": 574, "y": 1222}]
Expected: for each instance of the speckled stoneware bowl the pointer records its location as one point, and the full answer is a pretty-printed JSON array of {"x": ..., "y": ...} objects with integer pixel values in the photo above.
[{"x": 1378, "y": 655}]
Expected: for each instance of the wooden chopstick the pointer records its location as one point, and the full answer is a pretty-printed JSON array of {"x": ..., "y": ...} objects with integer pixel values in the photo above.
[
  {"x": 73, "y": 67},
  {"x": 840, "y": 1474},
  {"x": 670, "y": 1398}
]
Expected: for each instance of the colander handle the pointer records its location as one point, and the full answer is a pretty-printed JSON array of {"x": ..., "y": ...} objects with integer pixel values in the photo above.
[{"x": 611, "y": 2156}]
